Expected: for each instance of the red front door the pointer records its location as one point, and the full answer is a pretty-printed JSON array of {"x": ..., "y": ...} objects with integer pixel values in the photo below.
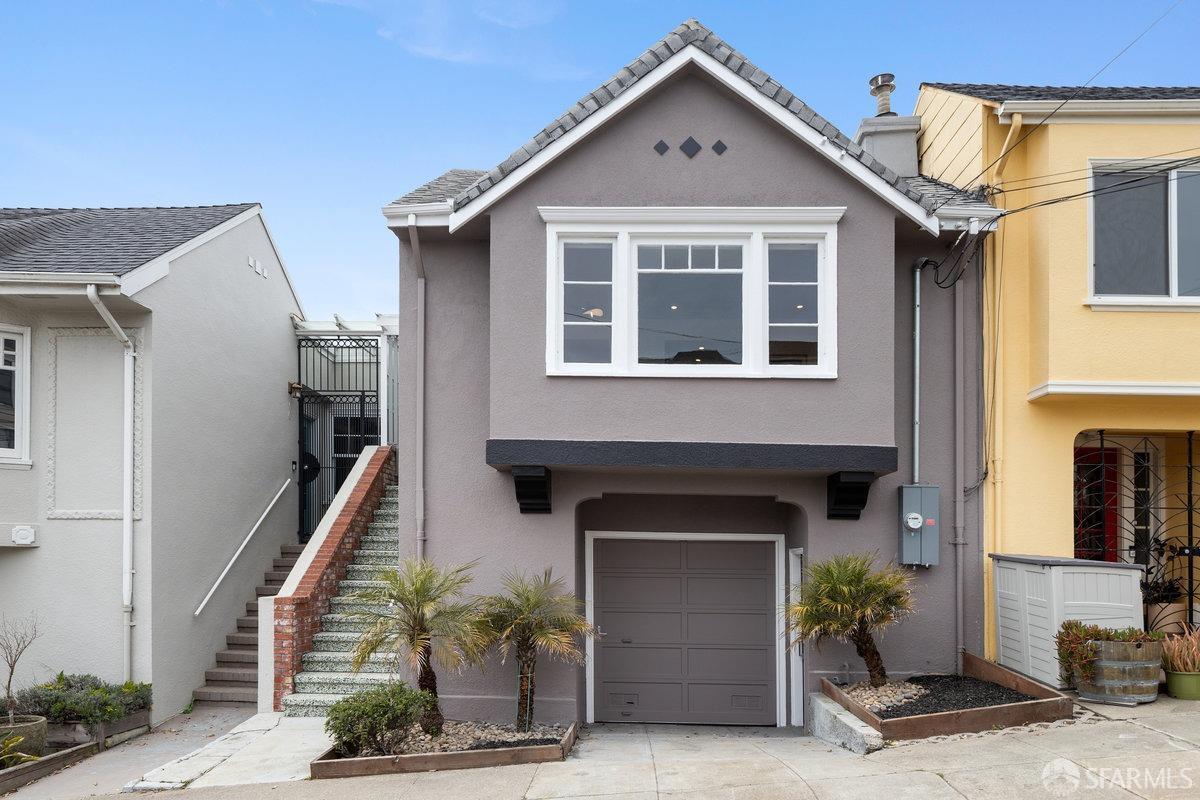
[{"x": 1097, "y": 503}]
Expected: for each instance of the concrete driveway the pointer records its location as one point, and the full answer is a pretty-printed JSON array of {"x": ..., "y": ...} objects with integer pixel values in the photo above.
[{"x": 1152, "y": 752}]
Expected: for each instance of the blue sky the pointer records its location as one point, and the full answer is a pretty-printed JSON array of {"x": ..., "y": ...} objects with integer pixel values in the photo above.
[{"x": 324, "y": 111}]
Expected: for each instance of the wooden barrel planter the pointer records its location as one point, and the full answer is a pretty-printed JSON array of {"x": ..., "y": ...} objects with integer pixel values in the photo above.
[{"x": 1126, "y": 673}]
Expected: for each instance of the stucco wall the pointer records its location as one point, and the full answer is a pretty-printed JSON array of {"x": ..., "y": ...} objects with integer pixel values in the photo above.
[
  {"x": 72, "y": 579},
  {"x": 471, "y": 511},
  {"x": 225, "y": 439}
]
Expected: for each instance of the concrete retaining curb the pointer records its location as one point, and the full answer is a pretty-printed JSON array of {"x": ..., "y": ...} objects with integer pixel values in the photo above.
[{"x": 831, "y": 723}]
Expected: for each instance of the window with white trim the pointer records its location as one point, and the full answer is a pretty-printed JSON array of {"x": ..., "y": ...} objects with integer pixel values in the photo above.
[
  {"x": 666, "y": 296},
  {"x": 14, "y": 393},
  {"x": 1146, "y": 234}
]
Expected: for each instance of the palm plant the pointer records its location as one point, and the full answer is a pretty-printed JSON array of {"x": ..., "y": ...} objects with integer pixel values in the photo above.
[
  {"x": 534, "y": 616},
  {"x": 846, "y": 599},
  {"x": 420, "y": 615}
]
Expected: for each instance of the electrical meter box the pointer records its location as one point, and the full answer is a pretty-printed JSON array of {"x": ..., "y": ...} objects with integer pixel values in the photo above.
[{"x": 920, "y": 525}]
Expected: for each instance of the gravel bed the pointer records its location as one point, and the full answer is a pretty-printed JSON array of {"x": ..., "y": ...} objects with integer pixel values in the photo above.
[
  {"x": 952, "y": 693},
  {"x": 881, "y": 698},
  {"x": 476, "y": 736}
]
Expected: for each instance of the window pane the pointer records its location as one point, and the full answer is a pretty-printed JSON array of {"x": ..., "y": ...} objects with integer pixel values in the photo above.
[
  {"x": 587, "y": 302},
  {"x": 587, "y": 344},
  {"x": 10, "y": 345},
  {"x": 8, "y": 416},
  {"x": 1131, "y": 234},
  {"x": 1187, "y": 189},
  {"x": 704, "y": 256},
  {"x": 649, "y": 256},
  {"x": 675, "y": 256},
  {"x": 685, "y": 319},
  {"x": 791, "y": 345},
  {"x": 587, "y": 261},
  {"x": 730, "y": 256},
  {"x": 793, "y": 303},
  {"x": 792, "y": 262}
]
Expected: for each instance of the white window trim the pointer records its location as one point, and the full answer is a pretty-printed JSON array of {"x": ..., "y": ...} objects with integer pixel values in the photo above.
[
  {"x": 18, "y": 458},
  {"x": 756, "y": 227},
  {"x": 1139, "y": 302}
]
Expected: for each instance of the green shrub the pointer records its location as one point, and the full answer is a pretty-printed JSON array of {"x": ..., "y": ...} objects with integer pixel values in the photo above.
[
  {"x": 370, "y": 721},
  {"x": 1077, "y": 651},
  {"x": 83, "y": 698},
  {"x": 10, "y": 753}
]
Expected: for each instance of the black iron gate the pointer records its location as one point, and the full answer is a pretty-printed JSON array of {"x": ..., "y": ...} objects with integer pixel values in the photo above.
[
  {"x": 1136, "y": 501},
  {"x": 339, "y": 379}
]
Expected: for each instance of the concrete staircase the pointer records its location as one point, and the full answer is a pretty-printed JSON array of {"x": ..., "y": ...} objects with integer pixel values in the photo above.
[
  {"x": 235, "y": 677},
  {"x": 326, "y": 675}
]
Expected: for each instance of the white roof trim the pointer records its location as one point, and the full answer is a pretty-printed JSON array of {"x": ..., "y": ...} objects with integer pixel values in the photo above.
[
  {"x": 427, "y": 214},
  {"x": 1160, "y": 111},
  {"x": 959, "y": 219},
  {"x": 1112, "y": 388},
  {"x": 691, "y": 214},
  {"x": 55, "y": 284},
  {"x": 693, "y": 55}
]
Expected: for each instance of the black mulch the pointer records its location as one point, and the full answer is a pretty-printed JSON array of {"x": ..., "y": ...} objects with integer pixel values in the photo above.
[
  {"x": 953, "y": 693},
  {"x": 493, "y": 744}
]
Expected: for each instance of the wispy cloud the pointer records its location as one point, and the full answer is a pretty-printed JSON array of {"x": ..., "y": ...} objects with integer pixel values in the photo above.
[{"x": 508, "y": 34}]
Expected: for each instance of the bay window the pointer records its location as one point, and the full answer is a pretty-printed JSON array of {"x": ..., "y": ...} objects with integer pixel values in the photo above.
[
  {"x": 1146, "y": 235},
  {"x": 664, "y": 292}
]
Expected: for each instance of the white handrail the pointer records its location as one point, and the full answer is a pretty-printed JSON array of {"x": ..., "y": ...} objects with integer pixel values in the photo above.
[{"x": 241, "y": 547}]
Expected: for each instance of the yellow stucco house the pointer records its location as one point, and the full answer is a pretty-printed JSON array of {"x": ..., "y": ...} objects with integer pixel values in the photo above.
[{"x": 1091, "y": 316}]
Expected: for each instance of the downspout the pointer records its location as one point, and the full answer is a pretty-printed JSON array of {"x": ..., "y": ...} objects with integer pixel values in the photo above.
[
  {"x": 414, "y": 242},
  {"x": 959, "y": 542},
  {"x": 916, "y": 371},
  {"x": 126, "y": 479}
]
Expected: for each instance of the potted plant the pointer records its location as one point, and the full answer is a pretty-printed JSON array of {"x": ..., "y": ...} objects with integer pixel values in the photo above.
[
  {"x": 420, "y": 615},
  {"x": 1161, "y": 595},
  {"x": 1107, "y": 665},
  {"x": 16, "y": 635},
  {"x": 83, "y": 708},
  {"x": 1181, "y": 662},
  {"x": 847, "y": 599},
  {"x": 535, "y": 616}
]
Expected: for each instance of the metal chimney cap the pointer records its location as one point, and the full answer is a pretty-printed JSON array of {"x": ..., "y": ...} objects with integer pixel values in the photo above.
[
  {"x": 883, "y": 79},
  {"x": 882, "y": 86}
]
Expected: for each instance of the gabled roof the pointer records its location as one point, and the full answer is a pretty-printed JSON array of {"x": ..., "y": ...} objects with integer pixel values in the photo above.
[
  {"x": 110, "y": 241},
  {"x": 729, "y": 65},
  {"x": 442, "y": 188},
  {"x": 948, "y": 196},
  {"x": 1002, "y": 93}
]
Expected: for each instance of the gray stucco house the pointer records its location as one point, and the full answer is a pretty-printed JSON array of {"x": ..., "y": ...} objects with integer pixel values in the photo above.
[{"x": 667, "y": 349}]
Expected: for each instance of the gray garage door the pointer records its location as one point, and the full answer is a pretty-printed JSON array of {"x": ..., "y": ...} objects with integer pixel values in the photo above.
[{"x": 689, "y": 631}]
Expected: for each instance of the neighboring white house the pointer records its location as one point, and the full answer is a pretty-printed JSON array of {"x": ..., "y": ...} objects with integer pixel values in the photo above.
[{"x": 147, "y": 423}]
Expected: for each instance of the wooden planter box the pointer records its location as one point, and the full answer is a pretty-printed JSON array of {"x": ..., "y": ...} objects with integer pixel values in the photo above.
[
  {"x": 329, "y": 765},
  {"x": 16, "y": 777},
  {"x": 106, "y": 734},
  {"x": 1048, "y": 706}
]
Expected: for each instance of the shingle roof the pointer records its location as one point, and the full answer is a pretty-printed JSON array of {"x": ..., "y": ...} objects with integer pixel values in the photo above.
[
  {"x": 443, "y": 187},
  {"x": 690, "y": 32},
  {"x": 999, "y": 92},
  {"x": 947, "y": 195},
  {"x": 100, "y": 240}
]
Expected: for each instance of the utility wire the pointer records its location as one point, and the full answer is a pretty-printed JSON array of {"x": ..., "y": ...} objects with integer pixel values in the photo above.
[
  {"x": 1008, "y": 181},
  {"x": 1073, "y": 95},
  {"x": 1146, "y": 169},
  {"x": 1123, "y": 186}
]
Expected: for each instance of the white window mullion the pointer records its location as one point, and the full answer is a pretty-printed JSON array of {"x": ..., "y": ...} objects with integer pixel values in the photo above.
[
  {"x": 755, "y": 304},
  {"x": 1173, "y": 233},
  {"x": 624, "y": 304},
  {"x": 827, "y": 310}
]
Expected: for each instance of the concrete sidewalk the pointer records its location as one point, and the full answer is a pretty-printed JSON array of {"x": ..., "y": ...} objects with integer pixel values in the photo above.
[{"x": 1150, "y": 752}]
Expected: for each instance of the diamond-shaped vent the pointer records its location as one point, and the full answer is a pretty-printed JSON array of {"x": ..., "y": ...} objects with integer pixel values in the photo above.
[
  {"x": 662, "y": 147},
  {"x": 690, "y": 147},
  {"x": 719, "y": 147}
]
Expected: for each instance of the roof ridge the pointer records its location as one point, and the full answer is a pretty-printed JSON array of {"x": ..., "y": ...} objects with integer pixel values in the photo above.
[{"x": 68, "y": 209}]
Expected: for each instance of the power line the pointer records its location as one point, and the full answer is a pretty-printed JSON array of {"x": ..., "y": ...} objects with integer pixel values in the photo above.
[
  {"x": 1179, "y": 163},
  {"x": 1114, "y": 189},
  {"x": 1008, "y": 181},
  {"x": 1073, "y": 95}
]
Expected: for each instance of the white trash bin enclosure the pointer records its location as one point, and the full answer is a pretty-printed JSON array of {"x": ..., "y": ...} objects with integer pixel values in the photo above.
[{"x": 1034, "y": 595}]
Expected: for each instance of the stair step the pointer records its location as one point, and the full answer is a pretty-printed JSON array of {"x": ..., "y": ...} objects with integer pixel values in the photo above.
[
  {"x": 266, "y": 591},
  {"x": 343, "y": 623},
  {"x": 231, "y": 675},
  {"x": 234, "y": 655},
  {"x": 377, "y": 530},
  {"x": 248, "y": 623},
  {"x": 227, "y": 694},
  {"x": 291, "y": 549},
  {"x": 283, "y": 563},
  {"x": 309, "y": 705},
  {"x": 365, "y": 572},
  {"x": 274, "y": 575},
  {"x": 334, "y": 641},
  {"x": 350, "y": 585},
  {"x": 318, "y": 661},
  {"x": 338, "y": 605},
  {"x": 252, "y": 609},
  {"x": 242, "y": 638},
  {"x": 379, "y": 558},
  {"x": 342, "y": 683}
]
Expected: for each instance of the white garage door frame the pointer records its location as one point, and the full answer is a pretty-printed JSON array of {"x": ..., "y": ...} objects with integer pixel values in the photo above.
[{"x": 783, "y": 682}]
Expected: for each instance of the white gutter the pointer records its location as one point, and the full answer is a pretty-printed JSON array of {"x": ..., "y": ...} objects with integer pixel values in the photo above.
[
  {"x": 93, "y": 296},
  {"x": 414, "y": 241}
]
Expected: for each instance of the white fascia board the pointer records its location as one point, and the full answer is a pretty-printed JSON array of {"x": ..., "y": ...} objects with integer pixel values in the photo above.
[
  {"x": 1101, "y": 111},
  {"x": 693, "y": 55},
  {"x": 959, "y": 219},
  {"x": 52, "y": 284},
  {"x": 157, "y": 268},
  {"x": 427, "y": 215},
  {"x": 691, "y": 214},
  {"x": 1116, "y": 388}
]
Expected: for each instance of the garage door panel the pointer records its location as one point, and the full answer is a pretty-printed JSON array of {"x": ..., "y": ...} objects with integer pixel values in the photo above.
[
  {"x": 643, "y": 696},
  {"x": 744, "y": 663},
  {"x": 638, "y": 554},
  {"x": 640, "y": 590},
  {"x": 641, "y": 662},
  {"x": 750, "y": 590},
  {"x": 718, "y": 627},
  {"x": 725, "y": 700},
  {"x": 729, "y": 555},
  {"x": 641, "y": 627}
]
